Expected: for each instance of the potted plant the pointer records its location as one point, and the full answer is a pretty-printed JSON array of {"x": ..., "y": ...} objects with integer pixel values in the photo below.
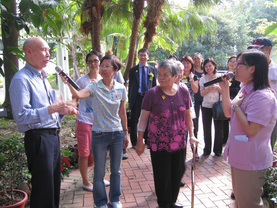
[
  {"x": 66, "y": 157},
  {"x": 270, "y": 187},
  {"x": 13, "y": 165}
]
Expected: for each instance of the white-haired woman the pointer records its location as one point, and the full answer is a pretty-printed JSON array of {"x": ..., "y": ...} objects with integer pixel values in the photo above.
[{"x": 167, "y": 106}]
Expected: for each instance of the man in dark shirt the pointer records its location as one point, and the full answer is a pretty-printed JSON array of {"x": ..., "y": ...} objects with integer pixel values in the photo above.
[{"x": 141, "y": 78}]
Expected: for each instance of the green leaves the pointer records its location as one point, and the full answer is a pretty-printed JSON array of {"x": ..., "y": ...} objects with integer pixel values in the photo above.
[
  {"x": 13, "y": 162},
  {"x": 24, "y": 6},
  {"x": 5, "y": 5},
  {"x": 37, "y": 14},
  {"x": 36, "y": 9},
  {"x": 271, "y": 29},
  {"x": 52, "y": 23},
  {"x": 55, "y": 14}
]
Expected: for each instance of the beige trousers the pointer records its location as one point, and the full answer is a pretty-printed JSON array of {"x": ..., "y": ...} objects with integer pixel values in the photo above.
[{"x": 247, "y": 187}]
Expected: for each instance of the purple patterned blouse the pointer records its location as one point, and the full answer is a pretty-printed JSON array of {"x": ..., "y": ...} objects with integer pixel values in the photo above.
[{"x": 166, "y": 128}]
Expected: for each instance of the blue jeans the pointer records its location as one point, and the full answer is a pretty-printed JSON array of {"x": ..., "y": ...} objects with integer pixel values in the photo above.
[{"x": 99, "y": 143}]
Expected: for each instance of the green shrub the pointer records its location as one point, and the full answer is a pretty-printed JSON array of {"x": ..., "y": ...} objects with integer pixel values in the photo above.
[{"x": 13, "y": 164}]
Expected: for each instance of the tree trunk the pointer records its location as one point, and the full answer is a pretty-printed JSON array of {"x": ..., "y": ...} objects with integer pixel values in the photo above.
[
  {"x": 96, "y": 14},
  {"x": 95, "y": 10},
  {"x": 12, "y": 40},
  {"x": 97, "y": 26},
  {"x": 76, "y": 73},
  {"x": 137, "y": 9},
  {"x": 153, "y": 17}
]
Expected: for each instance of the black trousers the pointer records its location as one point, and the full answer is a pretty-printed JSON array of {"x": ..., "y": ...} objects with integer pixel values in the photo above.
[
  {"x": 225, "y": 131},
  {"x": 197, "y": 105},
  {"x": 44, "y": 163},
  {"x": 168, "y": 169},
  {"x": 207, "y": 116},
  {"x": 135, "y": 114}
]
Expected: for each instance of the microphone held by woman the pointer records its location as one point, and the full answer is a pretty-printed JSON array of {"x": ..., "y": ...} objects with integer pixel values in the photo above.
[
  {"x": 69, "y": 80},
  {"x": 229, "y": 75}
]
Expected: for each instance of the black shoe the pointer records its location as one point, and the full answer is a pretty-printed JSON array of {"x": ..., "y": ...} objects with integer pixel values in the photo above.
[
  {"x": 182, "y": 184},
  {"x": 176, "y": 205},
  {"x": 217, "y": 154},
  {"x": 233, "y": 196},
  {"x": 206, "y": 154}
]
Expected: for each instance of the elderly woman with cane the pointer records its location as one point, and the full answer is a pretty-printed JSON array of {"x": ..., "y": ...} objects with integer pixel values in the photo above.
[
  {"x": 253, "y": 115},
  {"x": 167, "y": 106}
]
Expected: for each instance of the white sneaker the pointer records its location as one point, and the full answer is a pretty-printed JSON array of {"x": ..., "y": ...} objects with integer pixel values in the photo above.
[
  {"x": 105, "y": 206},
  {"x": 87, "y": 188},
  {"x": 116, "y": 204},
  {"x": 124, "y": 156},
  {"x": 107, "y": 183}
]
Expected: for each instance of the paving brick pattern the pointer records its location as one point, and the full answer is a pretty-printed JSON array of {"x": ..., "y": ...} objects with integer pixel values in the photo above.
[{"x": 212, "y": 184}]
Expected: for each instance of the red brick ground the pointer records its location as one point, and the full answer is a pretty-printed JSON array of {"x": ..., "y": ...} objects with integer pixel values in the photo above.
[{"x": 212, "y": 184}]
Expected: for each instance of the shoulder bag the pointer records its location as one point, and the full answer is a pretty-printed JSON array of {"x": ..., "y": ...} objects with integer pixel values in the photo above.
[{"x": 218, "y": 112}]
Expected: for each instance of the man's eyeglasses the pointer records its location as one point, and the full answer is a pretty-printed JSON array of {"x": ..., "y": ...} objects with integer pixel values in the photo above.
[
  {"x": 237, "y": 64},
  {"x": 105, "y": 67},
  {"x": 94, "y": 61}
]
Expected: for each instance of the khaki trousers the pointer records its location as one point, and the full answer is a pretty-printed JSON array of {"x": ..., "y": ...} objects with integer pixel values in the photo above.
[{"x": 248, "y": 187}]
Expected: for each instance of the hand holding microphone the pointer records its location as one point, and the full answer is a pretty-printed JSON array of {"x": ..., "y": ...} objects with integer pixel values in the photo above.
[
  {"x": 69, "y": 80},
  {"x": 229, "y": 75}
]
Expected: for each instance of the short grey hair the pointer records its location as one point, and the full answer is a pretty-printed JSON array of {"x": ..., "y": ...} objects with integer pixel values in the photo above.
[
  {"x": 171, "y": 65},
  {"x": 180, "y": 65}
]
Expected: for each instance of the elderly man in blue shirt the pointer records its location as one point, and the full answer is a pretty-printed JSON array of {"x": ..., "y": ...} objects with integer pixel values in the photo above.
[{"x": 38, "y": 113}]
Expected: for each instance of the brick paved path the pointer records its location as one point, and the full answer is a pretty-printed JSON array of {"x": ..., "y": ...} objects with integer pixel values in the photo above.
[{"x": 212, "y": 184}]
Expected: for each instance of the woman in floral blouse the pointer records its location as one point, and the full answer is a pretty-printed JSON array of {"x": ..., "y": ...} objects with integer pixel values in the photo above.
[{"x": 168, "y": 108}]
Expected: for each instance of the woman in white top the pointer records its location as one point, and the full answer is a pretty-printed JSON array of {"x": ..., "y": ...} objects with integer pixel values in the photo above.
[{"x": 211, "y": 94}]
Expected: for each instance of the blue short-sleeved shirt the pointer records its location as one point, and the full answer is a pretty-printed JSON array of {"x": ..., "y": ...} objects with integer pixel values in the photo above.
[{"x": 106, "y": 105}]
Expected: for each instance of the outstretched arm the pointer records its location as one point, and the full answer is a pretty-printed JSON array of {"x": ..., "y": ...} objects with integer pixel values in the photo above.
[{"x": 84, "y": 93}]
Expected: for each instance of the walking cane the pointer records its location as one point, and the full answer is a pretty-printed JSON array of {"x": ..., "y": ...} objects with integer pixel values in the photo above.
[{"x": 192, "y": 174}]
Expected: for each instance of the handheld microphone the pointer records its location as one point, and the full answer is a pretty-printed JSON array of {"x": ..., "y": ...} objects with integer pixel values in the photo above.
[
  {"x": 69, "y": 80},
  {"x": 229, "y": 75}
]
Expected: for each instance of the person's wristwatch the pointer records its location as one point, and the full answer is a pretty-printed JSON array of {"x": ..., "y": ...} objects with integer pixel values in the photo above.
[{"x": 234, "y": 107}]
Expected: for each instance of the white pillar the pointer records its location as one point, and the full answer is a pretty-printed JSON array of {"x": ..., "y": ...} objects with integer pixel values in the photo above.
[{"x": 62, "y": 61}]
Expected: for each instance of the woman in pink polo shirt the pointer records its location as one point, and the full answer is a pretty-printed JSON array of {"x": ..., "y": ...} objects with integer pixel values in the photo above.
[{"x": 253, "y": 115}]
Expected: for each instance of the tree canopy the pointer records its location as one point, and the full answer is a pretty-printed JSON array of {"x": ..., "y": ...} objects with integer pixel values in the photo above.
[{"x": 216, "y": 29}]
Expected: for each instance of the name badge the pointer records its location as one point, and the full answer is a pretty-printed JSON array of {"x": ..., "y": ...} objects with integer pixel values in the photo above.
[
  {"x": 274, "y": 81},
  {"x": 116, "y": 96},
  {"x": 242, "y": 138}
]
